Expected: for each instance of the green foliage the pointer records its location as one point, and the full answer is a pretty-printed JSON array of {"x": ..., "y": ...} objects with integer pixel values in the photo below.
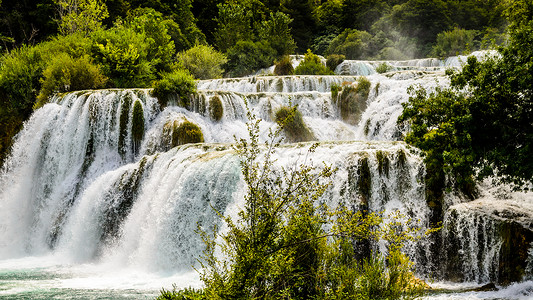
[
  {"x": 335, "y": 89},
  {"x": 204, "y": 62},
  {"x": 156, "y": 31},
  {"x": 234, "y": 24},
  {"x": 64, "y": 74},
  {"x": 246, "y": 57},
  {"x": 82, "y": 16},
  {"x": 353, "y": 100},
  {"x": 186, "y": 133},
  {"x": 333, "y": 60},
  {"x": 137, "y": 125},
  {"x": 293, "y": 124},
  {"x": 279, "y": 248},
  {"x": 184, "y": 294},
  {"x": 494, "y": 96},
  {"x": 277, "y": 33},
  {"x": 176, "y": 86},
  {"x": 455, "y": 42},
  {"x": 312, "y": 65},
  {"x": 216, "y": 110},
  {"x": 284, "y": 66},
  {"x": 352, "y": 43},
  {"x": 122, "y": 52},
  {"x": 383, "y": 68}
]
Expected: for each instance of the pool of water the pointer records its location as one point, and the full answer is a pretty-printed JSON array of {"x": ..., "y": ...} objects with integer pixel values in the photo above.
[{"x": 45, "y": 278}]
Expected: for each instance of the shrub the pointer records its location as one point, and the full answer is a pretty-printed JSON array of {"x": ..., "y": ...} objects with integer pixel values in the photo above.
[
  {"x": 203, "y": 62},
  {"x": 281, "y": 245},
  {"x": 311, "y": 65},
  {"x": 293, "y": 124},
  {"x": 216, "y": 110},
  {"x": 333, "y": 60},
  {"x": 186, "y": 133},
  {"x": 245, "y": 57},
  {"x": 284, "y": 66},
  {"x": 383, "y": 68},
  {"x": 65, "y": 74},
  {"x": 353, "y": 100},
  {"x": 178, "y": 84}
]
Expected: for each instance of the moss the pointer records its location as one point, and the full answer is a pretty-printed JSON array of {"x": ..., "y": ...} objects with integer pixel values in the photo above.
[
  {"x": 186, "y": 133},
  {"x": 383, "y": 163},
  {"x": 401, "y": 160},
  {"x": 284, "y": 66},
  {"x": 353, "y": 100},
  {"x": 137, "y": 125},
  {"x": 123, "y": 123},
  {"x": 216, "y": 110},
  {"x": 293, "y": 125},
  {"x": 364, "y": 182},
  {"x": 367, "y": 127},
  {"x": 335, "y": 88},
  {"x": 376, "y": 88}
]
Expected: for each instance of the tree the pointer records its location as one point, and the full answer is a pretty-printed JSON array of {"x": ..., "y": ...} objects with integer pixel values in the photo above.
[
  {"x": 304, "y": 22},
  {"x": 483, "y": 124},
  {"x": 84, "y": 16}
]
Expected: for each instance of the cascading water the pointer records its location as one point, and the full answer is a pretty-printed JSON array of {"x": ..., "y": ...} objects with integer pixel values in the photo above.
[{"x": 83, "y": 195}]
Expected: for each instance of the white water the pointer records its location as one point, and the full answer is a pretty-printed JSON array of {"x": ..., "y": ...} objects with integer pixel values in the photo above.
[{"x": 81, "y": 210}]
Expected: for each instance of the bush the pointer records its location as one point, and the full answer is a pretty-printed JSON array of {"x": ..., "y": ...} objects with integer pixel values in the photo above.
[
  {"x": 383, "y": 68},
  {"x": 333, "y": 60},
  {"x": 284, "y": 66},
  {"x": 293, "y": 125},
  {"x": 353, "y": 100},
  {"x": 283, "y": 245},
  {"x": 311, "y": 65},
  {"x": 178, "y": 84},
  {"x": 216, "y": 110},
  {"x": 352, "y": 43},
  {"x": 186, "y": 133},
  {"x": 246, "y": 57},
  {"x": 65, "y": 74},
  {"x": 203, "y": 62}
]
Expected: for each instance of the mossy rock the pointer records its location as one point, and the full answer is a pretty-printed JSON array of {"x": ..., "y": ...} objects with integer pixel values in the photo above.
[
  {"x": 216, "y": 110},
  {"x": 293, "y": 125},
  {"x": 137, "y": 124},
  {"x": 334, "y": 60},
  {"x": 186, "y": 133},
  {"x": 352, "y": 101}
]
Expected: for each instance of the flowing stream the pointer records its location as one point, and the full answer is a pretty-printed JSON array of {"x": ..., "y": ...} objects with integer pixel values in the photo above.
[{"x": 89, "y": 211}]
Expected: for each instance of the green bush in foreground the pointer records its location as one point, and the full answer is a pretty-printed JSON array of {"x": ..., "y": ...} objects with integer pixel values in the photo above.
[
  {"x": 278, "y": 246},
  {"x": 176, "y": 86}
]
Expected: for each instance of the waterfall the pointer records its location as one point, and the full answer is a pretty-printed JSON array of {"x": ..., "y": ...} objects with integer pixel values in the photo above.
[{"x": 83, "y": 186}]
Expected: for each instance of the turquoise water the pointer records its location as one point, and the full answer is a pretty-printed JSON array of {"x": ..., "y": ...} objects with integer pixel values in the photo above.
[{"x": 45, "y": 284}]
